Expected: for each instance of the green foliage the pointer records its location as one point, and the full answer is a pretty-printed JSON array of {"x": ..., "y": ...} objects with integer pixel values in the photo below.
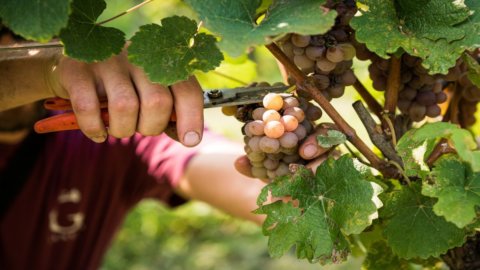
[
  {"x": 415, "y": 27},
  {"x": 84, "y": 39},
  {"x": 37, "y": 20},
  {"x": 473, "y": 69},
  {"x": 335, "y": 202},
  {"x": 461, "y": 139},
  {"x": 236, "y": 21},
  {"x": 333, "y": 137},
  {"x": 172, "y": 51},
  {"x": 412, "y": 228},
  {"x": 381, "y": 257},
  {"x": 457, "y": 189}
]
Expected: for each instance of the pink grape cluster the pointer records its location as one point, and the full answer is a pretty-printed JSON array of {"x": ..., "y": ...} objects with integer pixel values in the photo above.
[{"x": 273, "y": 131}]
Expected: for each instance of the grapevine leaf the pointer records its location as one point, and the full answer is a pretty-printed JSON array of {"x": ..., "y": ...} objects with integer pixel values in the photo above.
[
  {"x": 84, "y": 39},
  {"x": 235, "y": 20},
  {"x": 461, "y": 139},
  {"x": 333, "y": 137},
  {"x": 412, "y": 228},
  {"x": 171, "y": 52},
  {"x": 473, "y": 69},
  {"x": 439, "y": 45},
  {"x": 457, "y": 189},
  {"x": 381, "y": 257},
  {"x": 335, "y": 202},
  {"x": 432, "y": 19},
  {"x": 37, "y": 20},
  {"x": 413, "y": 153}
]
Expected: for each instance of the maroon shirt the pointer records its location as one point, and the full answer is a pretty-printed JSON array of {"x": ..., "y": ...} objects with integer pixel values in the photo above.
[{"x": 79, "y": 192}]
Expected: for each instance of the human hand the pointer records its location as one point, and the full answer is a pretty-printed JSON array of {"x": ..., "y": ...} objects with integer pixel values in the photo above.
[
  {"x": 134, "y": 103},
  {"x": 308, "y": 150}
]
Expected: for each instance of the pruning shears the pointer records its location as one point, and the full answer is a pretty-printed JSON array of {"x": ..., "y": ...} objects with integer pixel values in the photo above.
[
  {"x": 67, "y": 120},
  {"x": 211, "y": 99}
]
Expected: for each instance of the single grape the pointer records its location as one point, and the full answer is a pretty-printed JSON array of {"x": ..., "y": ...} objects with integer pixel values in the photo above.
[
  {"x": 325, "y": 65},
  {"x": 273, "y": 101},
  {"x": 307, "y": 125},
  {"x": 298, "y": 51},
  {"x": 335, "y": 55},
  {"x": 408, "y": 93},
  {"x": 301, "y": 132},
  {"x": 271, "y": 164},
  {"x": 229, "y": 110},
  {"x": 336, "y": 90},
  {"x": 303, "y": 62},
  {"x": 287, "y": 48},
  {"x": 348, "y": 78},
  {"x": 269, "y": 145},
  {"x": 403, "y": 104},
  {"x": 256, "y": 156},
  {"x": 441, "y": 97},
  {"x": 296, "y": 112},
  {"x": 256, "y": 127},
  {"x": 271, "y": 174},
  {"x": 313, "y": 113},
  {"x": 289, "y": 151},
  {"x": 282, "y": 169},
  {"x": 290, "y": 102},
  {"x": 348, "y": 51},
  {"x": 313, "y": 52},
  {"x": 257, "y": 164},
  {"x": 259, "y": 173},
  {"x": 289, "y": 122},
  {"x": 417, "y": 112},
  {"x": 288, "y": 140},
  {"x": 433, "y": 110},
  {"x": 321, "y": 81},
  {"x": 300, "y": 40},
  {"x": 257, "y": 114},
  {"x": 275, "y": 156},
  {"x": 274, "y": 129},
  {"x": 253, "y": 143},
  {"x": 426, "y": 98},
  {"x": 271, "y": 115}
]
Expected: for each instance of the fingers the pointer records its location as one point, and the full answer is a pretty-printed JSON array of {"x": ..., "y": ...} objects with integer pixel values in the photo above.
[
  {"x": 123, "y": 104},
  {"x": 310, "y": 148},
  {"x": 188, "y": 103},
  {"x": 156, "y": 104},
  {"x": 242, "y": 165},
  {"x": 77, "y": 79}
]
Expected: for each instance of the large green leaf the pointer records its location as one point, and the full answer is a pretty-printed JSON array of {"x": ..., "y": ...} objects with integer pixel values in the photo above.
[
  {"x": 171, "y": 52},
  {"x": 235, "y": 20},
  {"x": 336, "y": 201},
  {"x": 457, "y": 189},
  {"x": 438, "y": 44},
  {"x": 412, "y": 228},
  {"x": 37, "y": 20},
  {"x": 84, "y": 39}
]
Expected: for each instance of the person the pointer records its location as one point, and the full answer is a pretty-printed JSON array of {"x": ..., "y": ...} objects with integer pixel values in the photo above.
[{"x": 70, "y": 191}]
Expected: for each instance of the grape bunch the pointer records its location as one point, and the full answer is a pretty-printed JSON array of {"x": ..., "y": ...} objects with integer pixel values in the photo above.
[
  {"x": 328, "y": 57},
  {"x": 273, "y": 131},
  {"x": 420, "y": 93},
  {"x": 470, "y": 96}
]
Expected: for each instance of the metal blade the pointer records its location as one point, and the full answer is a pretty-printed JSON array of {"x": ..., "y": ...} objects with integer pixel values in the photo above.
[
  {"x": 24, "y": 50},
  {"x": 239, "y": 96}
]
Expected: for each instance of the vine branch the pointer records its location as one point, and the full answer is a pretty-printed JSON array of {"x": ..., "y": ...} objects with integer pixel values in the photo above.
[
  {"x": 375, "y": 133},
  {"x": 372, "y": 103},
  {"x": 303, "y": 82}
]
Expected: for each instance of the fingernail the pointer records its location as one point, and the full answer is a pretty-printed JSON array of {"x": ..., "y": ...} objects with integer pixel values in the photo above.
[
  {"x": 191, "y": 138},
  {"x": 310, "y": 151},
  {"x": 99, "y": 139}
]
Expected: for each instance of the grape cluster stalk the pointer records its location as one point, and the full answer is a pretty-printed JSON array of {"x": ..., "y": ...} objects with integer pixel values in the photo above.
[
  {"x": 327, "y": 57},
  {"x": 273, "y": 131},
  {"x": 470, "y": 95}
]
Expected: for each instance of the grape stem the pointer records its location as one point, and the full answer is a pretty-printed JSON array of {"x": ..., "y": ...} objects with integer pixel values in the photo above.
[
  {"x": 375, "y": 133},
  {"x": 125, "y": 12},
  {"x": 452, "y": 112},
  {"x": 309, "y": 86},
  {"x": 372, "y": 103},
  {"x": 393, "y": 86},
  {"x": 440, "y": 149}
]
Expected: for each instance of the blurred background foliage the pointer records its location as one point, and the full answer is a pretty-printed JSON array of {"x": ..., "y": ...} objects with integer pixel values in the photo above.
[{"x": 196, "y": 236}]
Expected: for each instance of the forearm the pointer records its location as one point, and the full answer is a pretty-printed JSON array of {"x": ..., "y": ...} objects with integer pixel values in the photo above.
[
  {"x": 212, "y": 178},
  {"x": 26, "y": 79}
]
